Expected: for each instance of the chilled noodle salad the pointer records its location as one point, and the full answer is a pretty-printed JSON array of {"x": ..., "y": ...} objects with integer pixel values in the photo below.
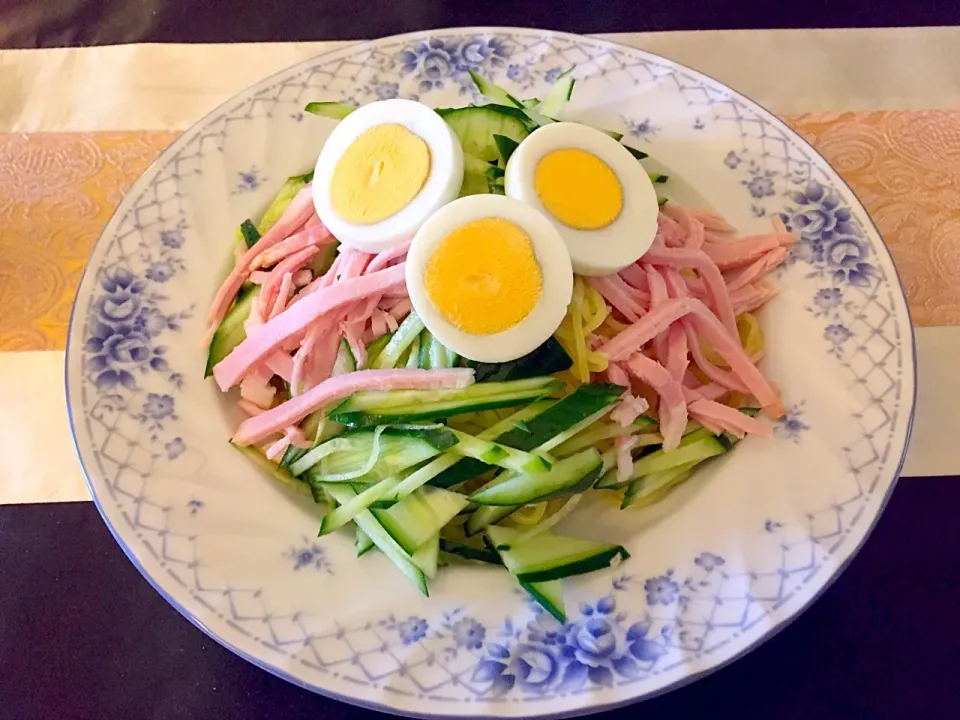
[{"x": 465, "y": 319}]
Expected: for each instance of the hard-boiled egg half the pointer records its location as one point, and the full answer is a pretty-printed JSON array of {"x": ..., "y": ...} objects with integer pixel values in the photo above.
[
  {"x": 490, "y": 277},
  {"x": 594, "y": 191},
  {"x": 383, "y": 171}
]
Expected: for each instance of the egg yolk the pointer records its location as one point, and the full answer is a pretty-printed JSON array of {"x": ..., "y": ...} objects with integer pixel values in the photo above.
[
  {"x": 484, "y": 277},
  {"x": 578, "y": 189},
  {"x": 379, "y": 174}
]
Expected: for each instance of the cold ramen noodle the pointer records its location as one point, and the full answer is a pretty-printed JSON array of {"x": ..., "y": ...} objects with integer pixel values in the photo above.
[{"x": 465, "y": 319}]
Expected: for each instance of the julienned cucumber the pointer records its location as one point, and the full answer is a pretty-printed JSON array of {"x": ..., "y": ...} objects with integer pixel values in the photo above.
[
  {"x": 279, "y": 204},
  {"x": 650, "y": 488},
  {"x": 399, "y": 406},
  {"x": 573, "y": 475},
  {"x": 559, "y": 95},
  {"x": 420, "y": 516},
  {"x": 552, "y": 557},
  {"x": 694, "y": 448},
  {"x": 550, "y": 596},
  {"x": 434, "y": 355},
  {"x": 468, "y": 552},
  {"x": 231, "y": 331},
  {"x": 548, "y": 359},
  {"x": 596, "y": 434},
  {"x": 408, "y": 331},
  {"x": 497, "y": 454},
  {"x": 249, "y": 233},
  {"x": 362, "y": 543},
  {"x": 335, "y": 110},
  {"x": 485, "y": 516}
]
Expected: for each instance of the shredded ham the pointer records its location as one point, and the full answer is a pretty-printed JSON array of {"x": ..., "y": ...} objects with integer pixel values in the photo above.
[
  {"x": 271, "y": 288},
  {"x": 690, "y": 226},
  {"x": 729, "y": 419},
  {"x": 336, "y": 388},
  {"x": 745, "y": 250},
  {"x": 673, "y": 407},
  {"x": 630, "y": 302},
  {"x": 229, "y": 371},
  {"x": 313, "y": 236},
  {"x": 624, "y": 444}
]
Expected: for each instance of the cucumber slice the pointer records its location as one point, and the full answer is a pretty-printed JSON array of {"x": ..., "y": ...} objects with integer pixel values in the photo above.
[
  {"x": 549, "y": 595},
  {"x": 485, "y": 516},
  {"x": 420, "y": 516},
  {"x": 335, "y": 110},
  {"x": 413, "y": 356},
  {"x": 427, "y": 557},
  {"x": 638, "y": 154},
  {"x": 505, "y": 146},
  {"x": 409, "y": 329},
  {"x": 362, "y": 543},
  {"x": 382, "y": 539},
  {"x": 493, "y": 453},
  {"x": 474, "y": 176},
  {"x": 281, "y": 475},
  {"x": 345, "y": 362},
  {"x": 547, "y": 359},
  {"x": 399, "y": 406},
  {"x": 695, "y": 447},
  {"x": 560, "y": 93},
  {"x": 468, "y": 552},
  {"x": 231, "y": 331},
  {"x": 476, "y": 126},
  {"x": 655, "y": 486},
  {"x": 552, "y": 557},
  {"x": 249, "y": 233},
  {"x": 573, "y": 475},
  {"x": 376, "y": 347},
  {"x": 493, "y": 91}
]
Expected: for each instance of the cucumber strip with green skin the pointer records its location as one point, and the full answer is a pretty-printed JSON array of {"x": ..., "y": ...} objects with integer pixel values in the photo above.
[
  {"x": 695, "y": 447},
  {"x": 427, "y": 557},
  {"x": 376, "y": 347},
  {"x": 661, "y": 201},
  {"x": 426, "y": 341},
  {"x": 399, "y": 448},
  {"x": 420, "y": 516},
  {"x": 588, "y": 401},
  {"x": 494, "y": 453},
  {"x": 549, "y": 595},
  {"x": 398, "y": 406},
  {"x": 552, "y": 557},
  {"x": 495, "y": 174},
  {"x": 410, "y": 328},
  {"x": 362, "y": 543},
  {"x": 591, "y": 436},
  {"x": 493, "y": 91},
  {"x": 485, "y": 516},
  {"x": 559, "y": 95},
  {"x": 570, "y": 476},
  {"x": 474, "y": 176},
  {"x": 658, "y": 178},
  {"x": 383, "y": 540},
  {"x": 467, "y": 552},
  {"x": 475, "y": 127},
  {"x": 231, "y": 331},
  {"x": 413, "y": 358},
  {"x": 618, "y": 136},
  {"x": 335, "y": 110},
  {"x": 505, "y": 146},
  {"x": 638, "y": 154},
  {"x": 531, "y": 102},
  {"x": 649, "y": 485},
  {"x": 281, "y": 475},
  {"x": 279, "y": 204},
  {"x": 249, "y": 233},
  {"x": 548, "y": 359}
]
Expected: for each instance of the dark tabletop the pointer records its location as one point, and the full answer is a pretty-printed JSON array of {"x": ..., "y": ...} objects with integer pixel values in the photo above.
[{"x": 47, "y": 23}]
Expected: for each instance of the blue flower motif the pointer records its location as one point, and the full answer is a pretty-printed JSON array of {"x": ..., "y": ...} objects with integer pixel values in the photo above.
[
  {"x": 791, "y": 425},
  {"x": 760, "y": 186},
  {"x": 158, "y": 407},
  {"x": 468, "y": 633},
  {"x": 661, "y": 590},
  {"x": 708, "y": 561},
  {"x": 123, "y": 298},
  {"x": 412, "y": 630},
  {"x": 160, "y": 271},
  {"x": 640, "y": 646},
  {"x": 249, "y": 180},
  {"x": 175, "y": 448},
  {"x": 477, "y": 52},
  {"x": 837, "y": 334},
  {"x": 117, "y": 352},
  {"x": 828, "y": 299},
  {"x": 172, "y": 239},
  {"x": 433, "y": 61},
  {"x": 535, "y": 669},
  {"x": 386, "y": 90},
  {"x": 846, "y": 257},
  {"x": 196, "y": 505},
  {"x": 309, "y": 555},
  {"x": 517, "y": 73},
  {"x": 641, "y": 129},
  {"x": 590, "y": 642},
  {"x": 552, "y": 74},
  {"x": 732, "y": 160}
]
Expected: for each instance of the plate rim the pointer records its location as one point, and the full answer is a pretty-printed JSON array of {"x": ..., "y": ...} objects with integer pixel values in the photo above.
[{"x": 581, "y": 711}]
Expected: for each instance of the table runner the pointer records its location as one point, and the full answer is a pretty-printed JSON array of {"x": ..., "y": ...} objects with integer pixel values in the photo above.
[{"x": 80, "y": 125}]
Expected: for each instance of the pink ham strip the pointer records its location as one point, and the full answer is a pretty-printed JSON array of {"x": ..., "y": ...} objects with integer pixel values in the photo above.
[
  {"x": 283, "y": 296},
  {"x": 297, "y": 318},
  {"x": 691, "y": 227},
  {"x": 630, "y": 407},
  {"x": 659, "y": 318},
  {"x": 713, "y": 223},
  {"x": 729, "y": 419},
  {"x": 292, "y": 436},
  {"x": 353, "y": 334},
  {"x": 320, "y": 363},
  {"x": 697, "y": 260},
  {"x": 280, "y": 364},
  {"x": 378, "y": 323},
  {"x": 717, "y": 374},
  {"x": 401, "y": 309},
  {"x": 336, "y": 388},
  {"x": 620, "y": 295},
  {"x": 658, "y": 296},
  {"x": 302, "y": 278},
  {"x": 757, "y": 269},
  {"x": 258, "y": 277},
  {"x": 669, "y": 232},
  {"x": 296, "y": 214},
  {"x": 256, "y": 388},
  {"x": 635, "y": 276},
  {"x": 289, "y": 264},
  {"x": 624, "y": 444},
  {"x": 677, "y": 352},
  {"x": 249, "y": 408},
  {"x": 673, "y": 407},
  {"x": 754, "y": 296},
  {"x": 745, "y": 250},
  {"x": 381, "y": 260},
  {"x": 314, "y": 236},
  {"x": 710, "y": 391}
]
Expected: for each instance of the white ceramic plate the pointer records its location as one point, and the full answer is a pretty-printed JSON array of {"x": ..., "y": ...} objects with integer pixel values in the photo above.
[{"x": 722, "y": 564}]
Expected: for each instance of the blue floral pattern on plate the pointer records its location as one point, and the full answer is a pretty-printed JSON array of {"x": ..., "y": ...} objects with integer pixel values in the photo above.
[{"x": 222, "y": 546}]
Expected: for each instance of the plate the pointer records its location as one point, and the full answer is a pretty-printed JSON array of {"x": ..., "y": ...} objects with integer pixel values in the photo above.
[{"x": 718, "y": 567}]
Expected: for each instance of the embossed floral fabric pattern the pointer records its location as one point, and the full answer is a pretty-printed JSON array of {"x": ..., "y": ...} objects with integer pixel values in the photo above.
[{"x": 57, "y": 191}]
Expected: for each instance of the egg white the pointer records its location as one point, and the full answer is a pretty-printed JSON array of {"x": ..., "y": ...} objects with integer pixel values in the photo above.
[
  {"x": 442, "y": 185},
  {"x": 592, "y": 252},
  {"x": 551, "y": 255}
]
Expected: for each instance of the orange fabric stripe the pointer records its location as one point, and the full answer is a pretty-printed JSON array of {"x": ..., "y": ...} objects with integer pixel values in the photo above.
[{"x": 58, "y": 190}]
